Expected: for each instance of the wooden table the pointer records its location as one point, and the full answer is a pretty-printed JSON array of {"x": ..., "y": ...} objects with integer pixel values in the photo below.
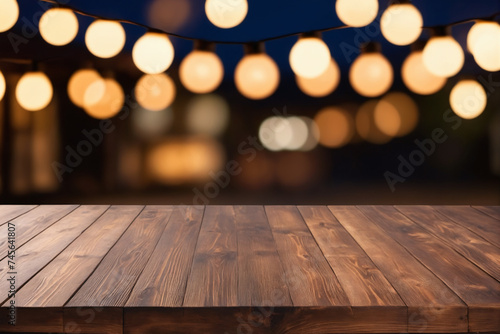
[{"x": 251, "y": 269}]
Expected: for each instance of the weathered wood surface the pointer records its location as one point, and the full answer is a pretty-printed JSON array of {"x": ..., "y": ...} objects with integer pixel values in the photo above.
[{"x": 251, "y": 269}]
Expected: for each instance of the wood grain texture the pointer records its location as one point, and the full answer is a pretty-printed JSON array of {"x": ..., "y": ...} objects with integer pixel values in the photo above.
[
  {"x": 493, "y": 211},
  {"x": 213, "y": 280},
  {"x": 163, "y": 280},
  {"x": 477, "y": 250},
  {"x": 470, "y": 283},
  {"x": 432, "y": 306},
  {"x": 261, "y": 278},
  {"x": 44, "y": 247},
  {"x": 310, "y": 279},
  {"x": 9, "y": 212},
  {"x": 476, "y": 221},
  {"x": 33, "y": 222},
  {"x": 58, "y": 281}
]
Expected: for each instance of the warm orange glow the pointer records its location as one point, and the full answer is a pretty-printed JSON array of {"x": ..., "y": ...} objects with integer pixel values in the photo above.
[
  {"x": 58, "y": 26},
  {"x": 371, "y": 74},
  {"x": 34, "y": 91},
  {"x": 483, "y": 41},
  {"x": 443, "y": 56},
  {"x": 336, "y": 127},
  {"x": 201, "y": 72},
  {"x": 257, "y": 76},
  {"x": 357, "y": 13},
  {"x": 468, "y": 99},
  {"x": 2, "y": 86},
  {"x": 207, "y": 115},
  {"x": 322, "y": 85},
  {"x": 396, "y": 114},
  {"x": 401, "y": 24},
  {"x": 365, "y": 124},
  {"x": 9, "y": 14},
  {"x": 105, "y": 39},
  {"x": 310, "y": 57},
  {"x": 153, "y": 53},
  {"x": 103, "y": 98},
  {"x": 226, "y": 13},
  {"x": 155, "y": 91},
  {"x": 78, "y": 84},
  {"x": 417, "y": 77}
]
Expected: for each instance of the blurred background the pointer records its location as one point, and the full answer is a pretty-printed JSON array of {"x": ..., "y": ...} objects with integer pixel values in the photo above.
[{"x": 223, "y": 148}]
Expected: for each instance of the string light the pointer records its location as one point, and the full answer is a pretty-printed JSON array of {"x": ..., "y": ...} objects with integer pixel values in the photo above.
[
  {"x": 58, "y": 26},
  {"x": 9, "y": 14},
  {"x": 78, "y": 84},
  {"x": 155, "y": 91},
  {"x": 153, "y": 53},
  {"x": 226, "y": 13},
  {"x": 310, "y": 56},
  {"x": 371, "y": 73},
  {"x": 483, "y": 41},
  {"x": 257, "y": 76},
  {"x": 417, "y": 77},
  {"x": 468, "y": 99},
  {"x": 105, "y": 38},
  {"x": 201, "y": 71},
  {"x": 401, "y": 24},
  {"x": 2, "y": 86},
  {"x": 322, "y": 85},
  {"x": 357, "y": 13},
  {"x": 34, "y": 91},
  {"x": 443, "y": 56},
  {"x": 104, "y": 98}
]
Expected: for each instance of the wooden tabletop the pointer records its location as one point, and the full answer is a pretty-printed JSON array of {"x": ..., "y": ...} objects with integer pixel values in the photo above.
[{"x": 250, "y": 269}]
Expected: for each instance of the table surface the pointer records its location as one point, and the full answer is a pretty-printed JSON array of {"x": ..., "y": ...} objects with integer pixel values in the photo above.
[{"x": 251, "y": 269}]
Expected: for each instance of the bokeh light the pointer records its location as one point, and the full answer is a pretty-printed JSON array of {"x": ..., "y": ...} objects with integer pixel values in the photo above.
[
  {"x": 155, "y": 91},
  {"x": 322, "y": 85},
  {"x": 9, "y": 14},
  {"x": 34, "y": 91},
  {"x": 201, "y": 71},
  {"x": 443, "y": 56},
  {"x": 207, "y": 115},
  {"x": 103, "y": 98},
  {"x": 151, "y": 125},
  {"x": 226, "y": 13},
  {"x": 184, "y": 160},
  {"x": 357, "y": 13},
  {"x": 2, "y": 86},
  {"x": 371, "y": 74},
  {"x": 396, "y": 114},
  {"x": 310, "y": 57},
  {"x": 401, "y": 24},
  {"x": 257, "y": 76},
  {"x": 483, "y": 41},
  {"x": 58, "y": 26},
  {"x": 153, "y": 53},
  {"x": 169, "y": 15},
  {"x": 365, "y": 124},
  {"x": 312, "y": 135},
  {"x": 104, "y": 38},
  {"x": 275, "y": 133},
  {"x": 417, "y": 77},
  {"x": 78, "y": 84},
  {"x": 336, "y": 127},
  {"x": 468, "y": 99}
]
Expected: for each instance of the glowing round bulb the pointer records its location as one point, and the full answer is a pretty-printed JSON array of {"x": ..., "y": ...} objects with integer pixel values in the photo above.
[
  {"x": 357, "y": 13},
  {"x": 201, "y": 72},
  {"x": 58, "y": 26},
  {"x": 155, "y": 91},
  {"x": 153, "y": 53},
  {"x": 34, "y": 91},
  {"x": 9, "y": 13},
  {"x": 468, "y": 99},
  {"x": 104, "y": 98},
  {"x": 226, "y": 13},
  {"x": 417, "y": 78},
  {"x": 105, "y": 39},
  {"x": 443, "y": 56},
  {"x": 310, "y": 57},
  {"x": 322, "y": 85},
  {"x": 336, "y": 127},
  {"x": 257, "y": 76},
  {"x": 2, "y": 86},
  {"x": 78, "y": 84},
  {"x": 371, "y": 74},
  {"x": 401, "y": 24},
  {"x": 484, "y": 43}
]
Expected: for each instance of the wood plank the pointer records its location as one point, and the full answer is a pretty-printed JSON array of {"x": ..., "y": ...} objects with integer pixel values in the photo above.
[
  {"x": 470, "y": 245},
  {"x": 213, "y": 280},
  {"x": 261, "y": 279},
  {"x": 477, "y": 222},
  {"x": 471, "y": 284},
  {"x": 362, "y": 281},
  {"x": 35, "y": 255},
  {"x": 32, "y": 223},
  {"x": 111, "y": 283},
  {"x": 432, "y": 306},
  {"x": 9, "y": 212},
  {"x": 493, "y": 211},
  {"x": 310, "y": 279},
  {"x": 163, "y": 281}
]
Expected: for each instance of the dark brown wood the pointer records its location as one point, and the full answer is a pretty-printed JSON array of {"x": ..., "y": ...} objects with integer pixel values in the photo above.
[
  {"x": 163, "y": 280},
  {"x": 471, "y": 284},
  {"x": 9, "y": 212},
  {"x": 474, "y": 220},
  {"x": 493, "y": 211},
  {"x": 432, "y": 306}
]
